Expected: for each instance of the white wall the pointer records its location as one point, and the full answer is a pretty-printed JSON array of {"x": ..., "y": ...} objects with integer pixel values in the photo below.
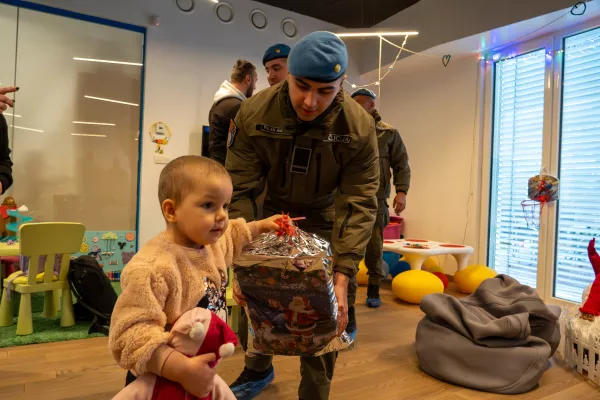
[
  {"x": 434, "y": 109},
  {"x": 188, "y": 56}
]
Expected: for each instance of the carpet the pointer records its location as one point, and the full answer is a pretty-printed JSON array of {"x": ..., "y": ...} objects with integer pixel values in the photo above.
[{"x": 44, "y": 330}]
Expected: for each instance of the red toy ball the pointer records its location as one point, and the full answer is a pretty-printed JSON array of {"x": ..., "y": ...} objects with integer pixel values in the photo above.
[{"x": 443, "y": 278}]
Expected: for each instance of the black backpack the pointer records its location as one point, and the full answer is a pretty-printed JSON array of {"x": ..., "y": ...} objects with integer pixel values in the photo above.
[{"x": 95, "y": 295}]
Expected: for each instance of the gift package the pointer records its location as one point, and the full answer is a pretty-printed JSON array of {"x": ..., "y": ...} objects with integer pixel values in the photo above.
[{"x": 287, "y": 278}]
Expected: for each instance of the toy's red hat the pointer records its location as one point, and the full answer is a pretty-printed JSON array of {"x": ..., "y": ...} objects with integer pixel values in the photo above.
[{"x": 592, "y": 304}]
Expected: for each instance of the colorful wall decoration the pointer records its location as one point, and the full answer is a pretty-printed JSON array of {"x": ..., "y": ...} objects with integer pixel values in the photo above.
[{"x": 112, "y": 249}]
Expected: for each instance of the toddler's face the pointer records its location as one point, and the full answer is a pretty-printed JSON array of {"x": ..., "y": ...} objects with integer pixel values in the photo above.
[{"x": 203, "y": 215}]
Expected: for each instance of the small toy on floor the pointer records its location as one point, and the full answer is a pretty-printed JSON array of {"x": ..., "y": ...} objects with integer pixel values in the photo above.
[{"x": 198, "y": 331}]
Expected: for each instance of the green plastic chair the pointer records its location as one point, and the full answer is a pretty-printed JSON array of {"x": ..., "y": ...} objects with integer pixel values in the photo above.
[{"x": 43, "y": 239}]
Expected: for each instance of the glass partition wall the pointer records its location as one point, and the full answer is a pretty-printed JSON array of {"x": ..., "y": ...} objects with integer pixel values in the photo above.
[{"x": 75, "y": 126}]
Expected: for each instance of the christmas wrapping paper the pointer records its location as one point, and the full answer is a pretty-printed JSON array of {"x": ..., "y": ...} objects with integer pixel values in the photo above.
[{"x": 288, "y": 283}]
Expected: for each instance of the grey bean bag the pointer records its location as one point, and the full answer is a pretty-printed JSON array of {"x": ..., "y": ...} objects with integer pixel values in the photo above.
[{"x": 497, "y": 340}]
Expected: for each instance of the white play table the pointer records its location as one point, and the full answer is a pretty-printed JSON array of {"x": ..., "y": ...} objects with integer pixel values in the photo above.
[{"x": 415, "y": 256}]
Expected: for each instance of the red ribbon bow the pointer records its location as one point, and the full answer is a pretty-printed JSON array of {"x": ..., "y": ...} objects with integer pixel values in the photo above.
[{"x": 286, "y": 225}]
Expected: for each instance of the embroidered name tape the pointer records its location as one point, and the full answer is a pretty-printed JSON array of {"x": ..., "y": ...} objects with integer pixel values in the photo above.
[
  {"x": 338, "y": 138},
  {"x": 231, "y": 133},
  {"x": 270, "y": 129}
]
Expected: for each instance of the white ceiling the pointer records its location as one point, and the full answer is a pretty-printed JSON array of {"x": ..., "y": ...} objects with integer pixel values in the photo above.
[
  {"x": 495, "y": 40},
  {"x": 442, "y": 22}
]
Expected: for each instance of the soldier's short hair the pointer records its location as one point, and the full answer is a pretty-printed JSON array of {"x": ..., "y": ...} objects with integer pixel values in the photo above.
[
  {"x": 241, "y": 70},
  {"x": 179, "y": 176}
]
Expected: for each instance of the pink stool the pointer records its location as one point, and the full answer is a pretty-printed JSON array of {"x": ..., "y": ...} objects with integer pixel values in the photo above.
[{"x": 394, "y": 229}]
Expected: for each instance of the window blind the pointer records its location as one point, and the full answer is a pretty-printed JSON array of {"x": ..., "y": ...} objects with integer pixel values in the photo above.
[
  {"x": 517, "y": 155},
  {"x": 579, "y": 204}
]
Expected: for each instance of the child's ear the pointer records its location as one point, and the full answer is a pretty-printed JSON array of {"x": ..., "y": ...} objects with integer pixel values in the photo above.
[{"x": 168, "y": 210}]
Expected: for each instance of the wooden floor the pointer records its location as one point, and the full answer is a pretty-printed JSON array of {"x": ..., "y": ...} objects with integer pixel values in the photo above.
[{"x": 382, "y": 366}]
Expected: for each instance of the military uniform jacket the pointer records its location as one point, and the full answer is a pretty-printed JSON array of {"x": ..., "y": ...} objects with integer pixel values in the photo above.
[
  {"x": 392, "y": 157},
  {"x": 334, "y": 174}
]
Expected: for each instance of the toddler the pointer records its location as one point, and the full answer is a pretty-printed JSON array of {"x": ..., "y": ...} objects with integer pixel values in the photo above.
[{"x": 181, "y": 268}]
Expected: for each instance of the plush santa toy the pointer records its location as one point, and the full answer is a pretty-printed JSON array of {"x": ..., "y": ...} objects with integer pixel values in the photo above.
[
  {"x": 198, "y": 331},
  {"x": 591, "y": 296}
]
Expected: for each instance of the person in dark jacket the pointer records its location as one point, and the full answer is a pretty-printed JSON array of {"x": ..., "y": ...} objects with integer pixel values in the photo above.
[
  {"x": 226, "y": 104},
  {"x": 392, "y": 157},
  {"x": 6, "y": 179}
]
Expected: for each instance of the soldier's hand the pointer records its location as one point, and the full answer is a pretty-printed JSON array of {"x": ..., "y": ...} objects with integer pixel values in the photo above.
[
  {"x": 6, "y": 101},
  {"x": 341, "y": 293},
  {"x": 399, "y": 202},
  {"x": 237, "y": 294}
]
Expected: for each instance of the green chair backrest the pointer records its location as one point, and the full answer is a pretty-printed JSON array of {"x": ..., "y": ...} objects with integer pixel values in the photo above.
[{"x": 49, "y": 239}]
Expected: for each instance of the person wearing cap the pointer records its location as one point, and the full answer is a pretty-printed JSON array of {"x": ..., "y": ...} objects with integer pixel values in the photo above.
[
  {"x": 392, "y": 157},
  {"x": 226, "y": 103},
  {"x": 275, "y": 63},
  {"x": 316, "y": 149}
]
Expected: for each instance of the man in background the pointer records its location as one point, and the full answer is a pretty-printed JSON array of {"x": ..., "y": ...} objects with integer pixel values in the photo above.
[
  {"x": 275, "y": 63},
  {"x": 226, "y": 104},
  {"x": 392, "y": 157},
  {"x": 6, "y": 179}
]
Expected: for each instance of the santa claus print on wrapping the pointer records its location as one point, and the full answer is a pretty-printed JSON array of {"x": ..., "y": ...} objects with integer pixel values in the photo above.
[{"x": 301, "y": 318}]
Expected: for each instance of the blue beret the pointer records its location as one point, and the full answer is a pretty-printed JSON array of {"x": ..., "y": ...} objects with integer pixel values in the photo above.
[
  {"x": 319, "y": 56},
  {"x": 276, "y": 51},
  {"x": 364, "y": 92}
]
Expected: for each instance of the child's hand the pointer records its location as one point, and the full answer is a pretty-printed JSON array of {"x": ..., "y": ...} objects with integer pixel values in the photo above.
[
  {"x": 199, "y": 378},
  {"x": 268, "y": 225}
]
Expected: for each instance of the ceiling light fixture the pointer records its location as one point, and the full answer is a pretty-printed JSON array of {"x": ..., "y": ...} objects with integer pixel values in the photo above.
[
  {"x": 94, "y": 123},
  {"x": 112, "y": 101},
  {"x": 108, "y": 61},
  {"x": 369, "y": 34},
  {"x": 26, "y": 129},
  {"x": 87, "y": 134}
]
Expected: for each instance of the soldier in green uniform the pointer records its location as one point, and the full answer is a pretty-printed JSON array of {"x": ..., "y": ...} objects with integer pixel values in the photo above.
[
  {"x": 392, "y": 157},
  {"x": 316, "y": 150}
]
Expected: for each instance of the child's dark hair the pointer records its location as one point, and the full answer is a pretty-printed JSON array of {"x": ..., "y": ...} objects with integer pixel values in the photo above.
[{"x": 179, "y": 176}]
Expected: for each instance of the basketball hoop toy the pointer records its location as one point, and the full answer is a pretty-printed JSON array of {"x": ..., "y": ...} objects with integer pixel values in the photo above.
[{"x": 542, "y": 189}]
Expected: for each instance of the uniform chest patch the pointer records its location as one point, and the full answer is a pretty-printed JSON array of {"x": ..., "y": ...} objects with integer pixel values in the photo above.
[
  {"x": 231, "y": 133},
  {"x": 332, "y": 138},
  {"x": 270, "y": 129}
]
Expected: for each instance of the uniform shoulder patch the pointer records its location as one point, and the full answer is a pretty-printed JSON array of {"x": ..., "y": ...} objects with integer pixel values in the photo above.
[{"x": 231, "y": 133}]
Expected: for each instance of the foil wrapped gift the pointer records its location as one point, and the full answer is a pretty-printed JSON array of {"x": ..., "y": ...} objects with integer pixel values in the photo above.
[{"x": 288, "y": 283}]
